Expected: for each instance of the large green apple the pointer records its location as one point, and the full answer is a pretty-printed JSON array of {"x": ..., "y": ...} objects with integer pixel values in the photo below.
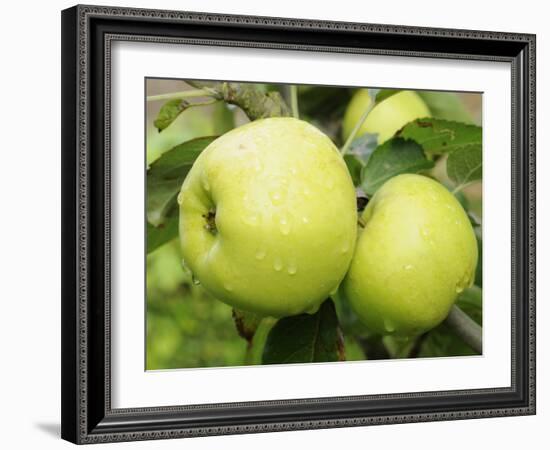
[
  {"x": 387, "y": 117},
  {"x": 268, "y": 218},
  {"x": 416, "y": 253}
]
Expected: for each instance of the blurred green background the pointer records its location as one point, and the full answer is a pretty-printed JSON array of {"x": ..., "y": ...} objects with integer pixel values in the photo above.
[{"x": 188, "y": 328}]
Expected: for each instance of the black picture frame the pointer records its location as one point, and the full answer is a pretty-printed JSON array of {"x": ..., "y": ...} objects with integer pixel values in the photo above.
[{"x": 87, "y": 32}]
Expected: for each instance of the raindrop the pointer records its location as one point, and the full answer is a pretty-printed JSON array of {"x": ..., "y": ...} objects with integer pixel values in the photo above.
[
  {"x": 408, "y": 267},
  {"x": 277, "y": 264},
  {"x": 276, "y": 197},
  {"x": 389, "y": 326},
  {"x": 305, "y": 219},
  {"x": 260, "y": 254},
  {"x": 250, "y": 219},
  {"x": 180, "y": 198},
  {"x": 292, "y": 269},
  {"x": 195, "y": 280},
  {"x": 284, "y": 226}
]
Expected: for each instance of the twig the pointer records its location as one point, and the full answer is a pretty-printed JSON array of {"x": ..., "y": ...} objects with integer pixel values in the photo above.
[
  {"x": 358, "y": 125},
  {"x": 465, "y": 328},
  {"x": 182, "y": 94}
]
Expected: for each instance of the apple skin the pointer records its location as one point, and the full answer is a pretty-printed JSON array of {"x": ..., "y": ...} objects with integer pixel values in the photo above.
[
  {"x": 387, "y": 117},
  {"x": 285, "y": 217},
  {"x": 417, "y": 252}
]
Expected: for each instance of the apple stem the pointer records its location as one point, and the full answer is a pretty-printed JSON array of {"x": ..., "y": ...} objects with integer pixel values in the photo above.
[
  {"x": 465, "y": 328},
  {"x": 355, "y": 130},
  {"x": 183, "y": 94},
  {"x": 294, "y": 101}
]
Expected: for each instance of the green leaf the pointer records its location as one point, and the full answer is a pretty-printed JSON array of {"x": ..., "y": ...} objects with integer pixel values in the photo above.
[
  {"x": 306, "y": 338},
  {"x": 438, "y": 136},
  {"x": 392, "y": 158},
  {"x": 165, "y": 176},
  {"x": 464, "y": 165},
  {"x": 354, "y": 168},
  {"x": 157, "y": 236},
  {"x": 442, "y": 341},
  {"x": 169, "y": 112},
  {"x": 445, "y": 105},
  {"x": 246, "y": 323}
]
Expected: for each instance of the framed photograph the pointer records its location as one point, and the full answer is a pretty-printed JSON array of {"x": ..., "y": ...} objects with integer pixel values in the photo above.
[{"x": 280, "y": 224}]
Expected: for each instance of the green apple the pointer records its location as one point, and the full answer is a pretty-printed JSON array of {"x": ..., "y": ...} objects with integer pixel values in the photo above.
[
  {"x": 415, "y": 254},
  {"x": 387, "y": 117},
  {"x": 268, "y": 218}
]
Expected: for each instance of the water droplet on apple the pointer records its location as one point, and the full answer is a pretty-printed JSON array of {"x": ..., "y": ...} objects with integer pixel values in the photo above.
[
  {"x": 389, "y": 326},
  {"x": 195, "y": 280},
  {"x": 408, "y": 266},
  {"x": 179, "y": 198},
  {"x": 251, "y": 219},
  {"x": 205, "y": 185},
  {"x": 260, "y": 254},
  {"x": 284, "y": 226},
  {"x": 292, "y": 269},
  {"x": 345, "y": 248},
  {"x": 276, "y": 197},
  {"x": 277, "y": 264},
  {"x": 305, "y": 219}
]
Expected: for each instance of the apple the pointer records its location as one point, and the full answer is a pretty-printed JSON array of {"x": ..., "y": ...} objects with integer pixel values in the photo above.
[
  {"x": 268, "y": 217},
  {"x": 415, "y": 254},
  {"x": 387, "y": 117}
]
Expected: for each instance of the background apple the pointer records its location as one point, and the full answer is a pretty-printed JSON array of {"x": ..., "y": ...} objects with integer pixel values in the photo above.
[
  {"x": 268, "y": 217},
  {"x": 387, "y": 117},
  {"x": 417, "y": 252}
]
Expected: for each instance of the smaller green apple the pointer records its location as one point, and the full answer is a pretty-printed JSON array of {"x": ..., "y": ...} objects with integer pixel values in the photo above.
[
  {"x": 387, "y": 117},
  {"x": 416, "y": 253}
]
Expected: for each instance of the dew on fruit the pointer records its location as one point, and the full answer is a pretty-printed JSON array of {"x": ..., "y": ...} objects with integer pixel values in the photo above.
[
  {"x": 292, "y": 269},
  {"x": 284, "y": 226},
  {"x": 250, "y": 219},
  {"x": 305, "y": 219},
  {"x": 276, "y": 197},
  {"x": 205, "y": 185},
  {"x": 260, "y": 254},
  {"x": 408, "y": 266},
  {"x": 179, "y": 198},
  {"x": 345, "y": 248},
  {"x": 277, "y": 264},
  {"x": 195, "y": 280},
  {"x": 389, "y": 326}
]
